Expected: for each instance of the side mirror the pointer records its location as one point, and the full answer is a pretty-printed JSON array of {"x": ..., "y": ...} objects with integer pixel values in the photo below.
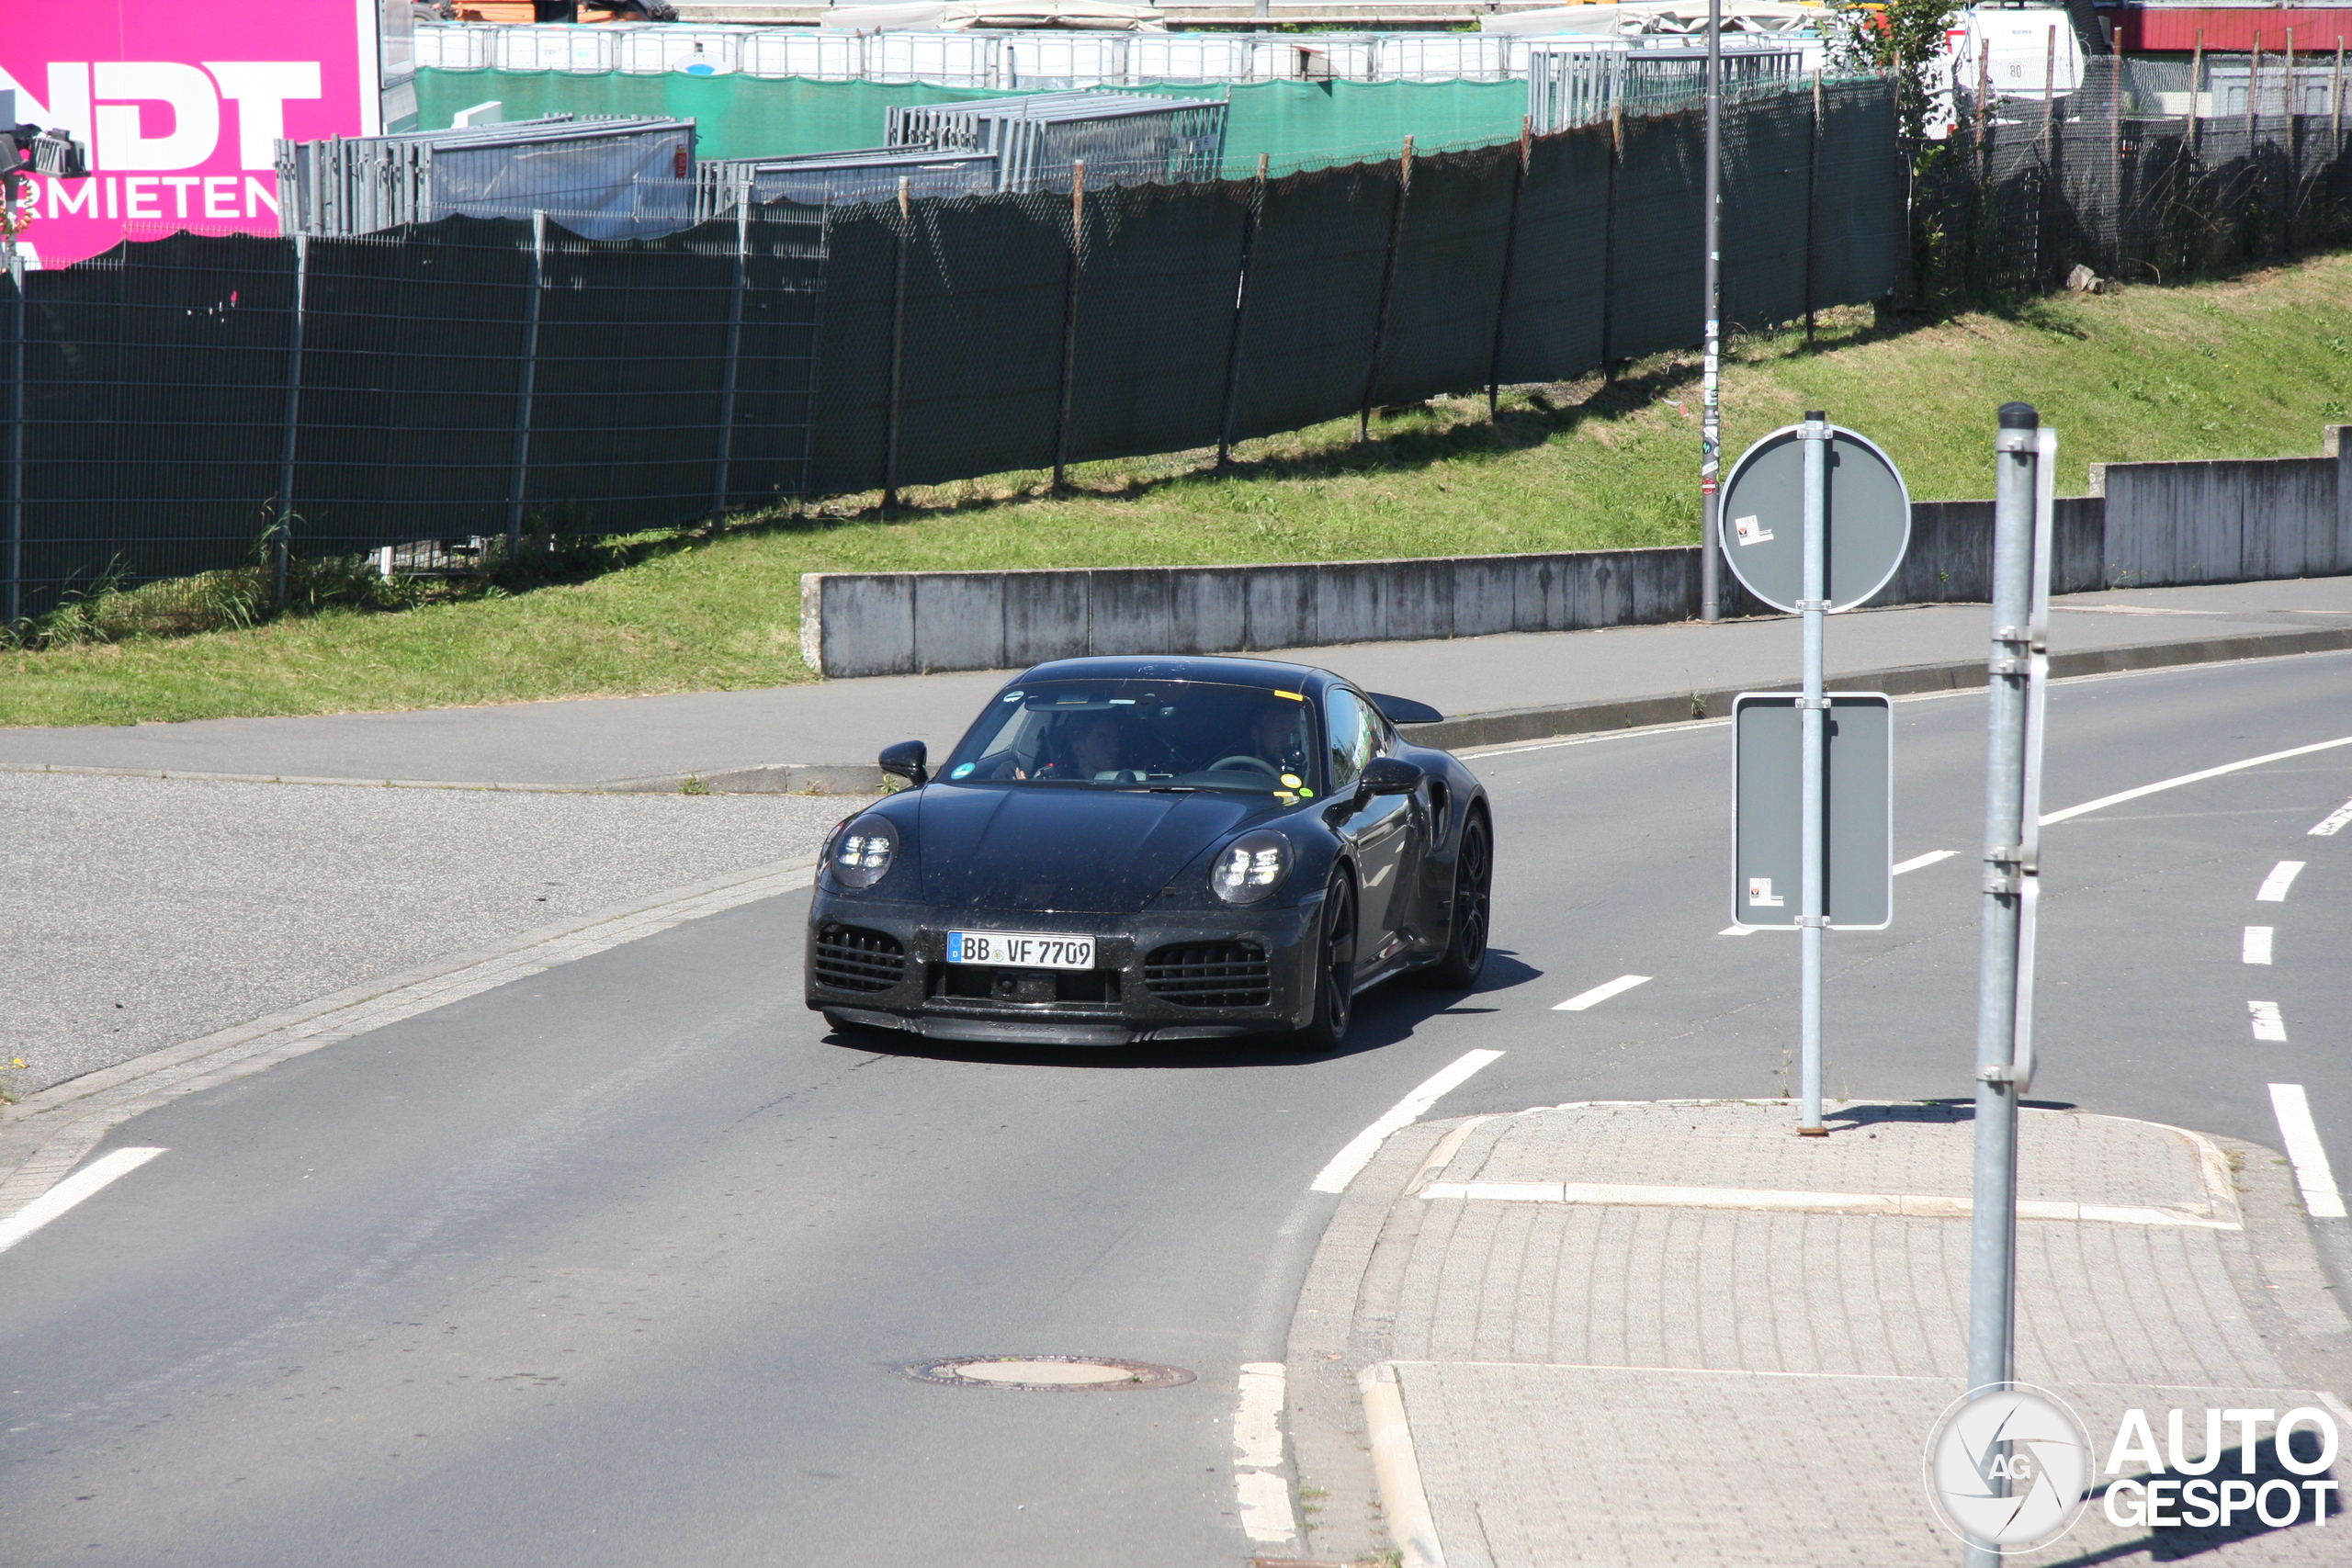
[
  {"x": 905, "y": 761},
  {"x": 1390, "y": 775}
]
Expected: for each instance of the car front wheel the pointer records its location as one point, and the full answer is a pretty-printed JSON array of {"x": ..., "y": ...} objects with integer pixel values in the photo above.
[{"x": 1335, "y": 970}]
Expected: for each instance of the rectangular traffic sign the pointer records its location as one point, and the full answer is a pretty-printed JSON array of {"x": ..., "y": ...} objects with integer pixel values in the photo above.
[{"x": 1767, "y": 825}]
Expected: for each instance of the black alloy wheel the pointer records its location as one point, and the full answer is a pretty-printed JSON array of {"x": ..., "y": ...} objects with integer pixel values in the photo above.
[
  {"x": 1473, "y": 885},
  {"x": 1335, "y": 969}
]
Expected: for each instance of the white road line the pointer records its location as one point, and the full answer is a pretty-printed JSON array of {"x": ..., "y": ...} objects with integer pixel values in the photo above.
[
  {"x": 2267, "y": 1023},
  {"x": 1335, "y": 1177},
  {"x": 2106, "y": 800},
  {"x": 2258, "y": 945},
  {"x": 2333, "y": 823},
  {"x": 2309, "y": 1156},
  {"x": 1584, "y": 999},
  {"x": 1258, "y": 1482},
  {"x": 1256, "y": 1420},
  {"x": 1930, "y": 858},
  {"x": 93, "y": 1177},
  {"x": 2274, "y": 886}
]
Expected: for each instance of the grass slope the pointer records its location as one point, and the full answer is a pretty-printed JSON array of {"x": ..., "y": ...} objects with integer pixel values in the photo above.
[{"x": 2244, "y": 368}]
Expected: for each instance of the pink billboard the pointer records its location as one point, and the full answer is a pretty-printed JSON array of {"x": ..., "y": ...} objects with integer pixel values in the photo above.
[{"x": 178, "y": 107}]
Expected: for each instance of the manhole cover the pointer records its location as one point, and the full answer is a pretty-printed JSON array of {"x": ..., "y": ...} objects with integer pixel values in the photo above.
[{"x": 1045, "y": 1375}]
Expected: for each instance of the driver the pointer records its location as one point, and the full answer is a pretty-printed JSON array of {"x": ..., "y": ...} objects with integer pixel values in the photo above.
[
  {"x": 1277, "y": 735},
  {"x": 1091, "y": 747}
]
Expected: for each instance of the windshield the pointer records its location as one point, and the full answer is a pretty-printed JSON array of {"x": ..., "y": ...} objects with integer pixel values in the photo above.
[{"x": 1147, "y": 734}]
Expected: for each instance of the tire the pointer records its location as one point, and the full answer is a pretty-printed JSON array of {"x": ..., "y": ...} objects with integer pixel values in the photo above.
[
  {"x": 1467, "y": 922},
  {"x": 1335, "y": 971}
]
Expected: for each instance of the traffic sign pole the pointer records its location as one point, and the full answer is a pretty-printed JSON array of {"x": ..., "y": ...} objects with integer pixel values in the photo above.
[
  {"x": 1814, "y": 722},
  {"x": 2019, "y": 593}
]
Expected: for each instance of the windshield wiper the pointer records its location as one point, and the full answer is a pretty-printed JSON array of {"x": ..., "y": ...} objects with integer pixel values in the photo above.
[{"x": 1173, "y": 789}]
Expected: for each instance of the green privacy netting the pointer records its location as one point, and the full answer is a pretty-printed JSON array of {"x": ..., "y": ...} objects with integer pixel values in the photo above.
[
  {"x": 454, "y": 377},
  {"x": 1296, "y": 124}
]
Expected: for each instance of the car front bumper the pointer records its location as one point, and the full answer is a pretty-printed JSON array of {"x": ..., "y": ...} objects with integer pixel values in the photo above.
[{"x": 1173, "y": 974}]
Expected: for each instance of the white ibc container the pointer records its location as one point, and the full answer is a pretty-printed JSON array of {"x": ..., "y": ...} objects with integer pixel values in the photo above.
[
  {"x": 1081, "y": 60},
  {"x": 456, "y": 46},
  {"x": 697, "y": 52},
  {"x": 584, "y": 50},
  {"x": 1187, "y": 57},
  {"x": 822, "y": 56},
  {"x": 953, "y": 59}
]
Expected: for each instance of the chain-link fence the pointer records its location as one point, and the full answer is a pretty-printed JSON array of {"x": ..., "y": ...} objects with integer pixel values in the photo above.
[
  {"x": 174, "y": 402},
  {"x": 2152, "y": 171}
]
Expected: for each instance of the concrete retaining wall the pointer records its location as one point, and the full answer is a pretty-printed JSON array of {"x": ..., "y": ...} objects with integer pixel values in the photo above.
[{"x": 2147, "y": 526}]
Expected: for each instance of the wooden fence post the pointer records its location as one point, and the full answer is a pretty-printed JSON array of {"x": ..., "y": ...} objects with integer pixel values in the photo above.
[
  {"x": 518, "y": 478},
  {"x": 898, "y": 356},
  {"x": 284, "y": 529},
  {"x": 734, "y": 348},
  {"x": 1249, "y": 222},
  {"x": 1387, "y": 284},
  {"x": 1609, "y": 243},
  {"x": 1069, "y": 315},
  {"x": 1510, "y": 257}
]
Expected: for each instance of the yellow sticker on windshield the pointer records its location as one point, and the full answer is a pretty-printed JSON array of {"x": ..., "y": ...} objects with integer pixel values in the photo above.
[
  {"x": 1294, "y": 696},
  {"x": 1292, "y": 781}
]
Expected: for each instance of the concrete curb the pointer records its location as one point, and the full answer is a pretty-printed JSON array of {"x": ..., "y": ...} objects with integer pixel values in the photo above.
[
  {"x": 1545, "y": 723},
  {"x": 43, "y": 1136},
  {"x": 1402, "y": 1499}
]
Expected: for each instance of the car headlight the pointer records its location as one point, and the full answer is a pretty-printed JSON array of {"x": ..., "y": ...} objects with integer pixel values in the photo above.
[
  {"x": 1250, "y": 868},
  {"x": 862, "y": 851}
]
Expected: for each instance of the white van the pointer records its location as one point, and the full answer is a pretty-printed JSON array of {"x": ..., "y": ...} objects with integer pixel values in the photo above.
[{"x": 2021, "y": 50}]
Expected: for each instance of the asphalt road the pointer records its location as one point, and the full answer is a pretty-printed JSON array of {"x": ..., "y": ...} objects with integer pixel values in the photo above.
[{"x": 615, "y": 1265}]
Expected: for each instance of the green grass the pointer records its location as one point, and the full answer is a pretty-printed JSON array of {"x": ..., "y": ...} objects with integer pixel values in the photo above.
[{"x": 2245, "y": 368}]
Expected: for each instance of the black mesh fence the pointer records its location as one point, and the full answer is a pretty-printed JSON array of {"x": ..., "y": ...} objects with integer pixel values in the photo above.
[
  {"x": 2151, "y": 171},
  {"x": 453, "y": 382}
]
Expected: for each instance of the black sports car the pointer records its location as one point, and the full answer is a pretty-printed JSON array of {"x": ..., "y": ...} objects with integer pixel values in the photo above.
[{"x": 1123, "y": 850}]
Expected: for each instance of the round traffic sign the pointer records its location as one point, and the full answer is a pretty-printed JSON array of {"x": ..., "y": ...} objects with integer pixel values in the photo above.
[{"x": 1867, "y": 518}]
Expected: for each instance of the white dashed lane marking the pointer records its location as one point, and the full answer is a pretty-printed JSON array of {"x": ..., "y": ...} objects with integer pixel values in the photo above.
[
  {"x": 2258, "y": 945},
  {"x": 2274, "y": 886},
  {"x": 2267, "y": 1023},
  {"x": 2333, "y": 823},
  {"x": 1930, "y": 858},
  {"x": 2300, "y": 1135},
  {"x": 1584, "y": 999},
  {"x": 1258, "y": 1483}
]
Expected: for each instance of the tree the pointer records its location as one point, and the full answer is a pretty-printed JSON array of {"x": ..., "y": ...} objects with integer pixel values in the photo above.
[{"x": 1905, "y": 38}]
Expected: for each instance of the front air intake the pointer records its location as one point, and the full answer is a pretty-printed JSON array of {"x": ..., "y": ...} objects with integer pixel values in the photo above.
[
  {"x": 850, "y": 958},
  {"x": 1210, "y": 975}
]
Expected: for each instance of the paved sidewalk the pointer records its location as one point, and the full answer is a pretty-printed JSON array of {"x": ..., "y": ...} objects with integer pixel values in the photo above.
[
  {"x": 843, "y": 724},
  {"x": 1676, "y": 1333}
]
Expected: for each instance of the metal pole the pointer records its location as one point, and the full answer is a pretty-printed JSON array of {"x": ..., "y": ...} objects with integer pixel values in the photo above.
[
  {"x": 734, "y": 348},
  {"x": 1510, "y": 254},
  {"x": 1814, "y": 721},
  {"x": 284, "y": 543},
  {"x": 1249, "y": 222},
  {"x": 1069, "y": 315},
  {"x": 1993, "y": 1224},
  {"x": 1387, "y": 282},
  {"x": 2335, "y": 103},
  {"x": 13, "y": 611},
  {"x": 518, "y": 475},
  {"x": 1710, "y": 419}
]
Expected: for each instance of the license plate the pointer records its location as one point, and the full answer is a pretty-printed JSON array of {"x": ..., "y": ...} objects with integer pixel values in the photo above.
[{"x": 1021, "y": 950}]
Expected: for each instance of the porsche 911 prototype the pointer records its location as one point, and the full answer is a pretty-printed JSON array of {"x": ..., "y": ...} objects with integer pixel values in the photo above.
[{"x": 1127, "y": 850}]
